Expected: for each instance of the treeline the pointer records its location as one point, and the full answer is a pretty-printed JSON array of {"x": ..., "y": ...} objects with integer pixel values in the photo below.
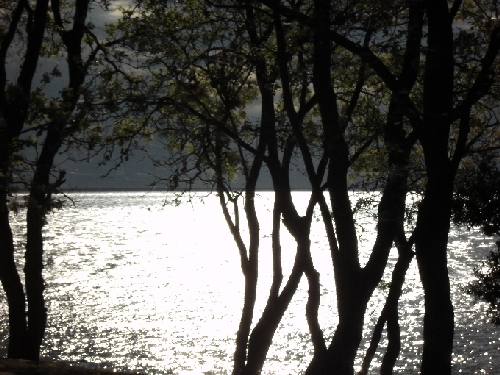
[{"x": 397, "y": 96}]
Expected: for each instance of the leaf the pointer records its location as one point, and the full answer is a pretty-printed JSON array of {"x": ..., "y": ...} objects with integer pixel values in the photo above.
[{"x": 45, "y": 78}]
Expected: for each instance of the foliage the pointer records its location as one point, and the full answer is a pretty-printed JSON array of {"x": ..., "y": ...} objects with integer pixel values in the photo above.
[
  {"x": 226, "y": 85},
  {"x": 36, "y": 119},
  {"x": 487, "y": 287},
  {"x": 477, "y": 197},
  {"x": 477, "y": 204},
  {"x": 346, "y": 92}
]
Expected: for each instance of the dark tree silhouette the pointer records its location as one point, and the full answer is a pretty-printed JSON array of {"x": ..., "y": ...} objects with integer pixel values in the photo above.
[
  {"x": 28, "y": 120},
  {"x": 347, "y": 88}
]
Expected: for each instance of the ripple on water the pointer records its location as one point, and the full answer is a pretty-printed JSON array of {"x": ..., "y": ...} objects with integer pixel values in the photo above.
[{"x": 133, "y": 284}]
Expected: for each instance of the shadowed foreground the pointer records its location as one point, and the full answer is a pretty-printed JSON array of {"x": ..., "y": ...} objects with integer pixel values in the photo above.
[{"x": 21, "y": 367}]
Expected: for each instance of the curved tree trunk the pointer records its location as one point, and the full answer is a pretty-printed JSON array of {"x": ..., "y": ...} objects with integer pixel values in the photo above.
[
  {"x": 249, "y": 266},
  {"x": 393, "y": 328},
  {"x": 312, "y": 308},
  {"x": 240, "y": 352},
  {"x": 389, "y": 315},
  {"x": 263, "y": 332}
]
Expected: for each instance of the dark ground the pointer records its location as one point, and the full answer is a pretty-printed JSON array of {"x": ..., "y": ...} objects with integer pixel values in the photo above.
[{"x": 20, "y": 367}]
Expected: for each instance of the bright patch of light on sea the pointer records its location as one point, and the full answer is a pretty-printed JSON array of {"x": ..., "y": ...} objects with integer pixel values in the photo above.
[{"x": 135, "y": 284}]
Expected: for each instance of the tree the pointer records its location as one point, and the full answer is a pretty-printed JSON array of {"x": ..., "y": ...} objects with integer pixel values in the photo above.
[
  {"x": 203, "y": 93},
  {"x": 343, "y": 87},
  {"x": 186, "y": 91},
  {"x": 31, "y": 119},
  {"x": 434, "y": 214},
  {"x": 433, "y": 124},
  {"x": 15, "y": 104}
]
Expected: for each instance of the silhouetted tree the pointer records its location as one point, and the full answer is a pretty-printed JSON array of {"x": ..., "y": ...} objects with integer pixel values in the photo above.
[
  {"x": 34, "y": 125},
  {"x": 402, "y": 89}
]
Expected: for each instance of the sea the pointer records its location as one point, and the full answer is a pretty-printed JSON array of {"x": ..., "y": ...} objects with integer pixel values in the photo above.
[{"x": 151, "y": 282}]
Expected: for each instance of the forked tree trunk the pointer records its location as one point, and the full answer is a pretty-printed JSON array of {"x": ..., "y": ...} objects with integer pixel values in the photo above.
[
  {"x": 263, "y": 332},
  {"x": 390, "y": 316},
  {"x": 342, "y": 351}
]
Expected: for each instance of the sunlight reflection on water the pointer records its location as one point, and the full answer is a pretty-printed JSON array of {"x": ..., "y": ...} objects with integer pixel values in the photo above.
[{"x": 139, "y": 285}]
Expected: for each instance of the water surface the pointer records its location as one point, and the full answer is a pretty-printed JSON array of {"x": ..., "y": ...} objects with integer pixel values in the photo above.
[{"x": 135, "y": 283}]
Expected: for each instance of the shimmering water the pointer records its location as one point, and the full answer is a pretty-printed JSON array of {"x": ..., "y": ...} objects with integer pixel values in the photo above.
[{"x": 134, "y": 283}]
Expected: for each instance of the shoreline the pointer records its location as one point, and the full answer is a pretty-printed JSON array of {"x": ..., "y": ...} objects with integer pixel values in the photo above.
[{"x": 23, "y": 367}]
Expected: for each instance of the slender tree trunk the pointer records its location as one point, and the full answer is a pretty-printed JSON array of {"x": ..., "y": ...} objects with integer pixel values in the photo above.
[
  {"x": 240, "y": 353},
  {"x": 9, "y": 276},
  {"x": 12, "y": 286},
  {"x": 390, "y": 316},
  {"x": 38, "y": 205},
  {"x": 262, "y": 335},
  {"x": 431, "y": 247},
  {"x": 312, "y": 308},
  {"x": 15, "y": 111},
  {"x": 35, "y": 285},
  {"x": 263, "y": 332},
  {"x": 250, "y": 271},
  {"x": 393, "y": 328}
]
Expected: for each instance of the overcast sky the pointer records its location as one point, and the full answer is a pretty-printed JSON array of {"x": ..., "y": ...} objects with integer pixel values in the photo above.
[{"x": 138, "y": 172}]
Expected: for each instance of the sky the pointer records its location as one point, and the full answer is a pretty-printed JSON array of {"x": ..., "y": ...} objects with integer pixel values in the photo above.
[{"x": 138, "y": 172}]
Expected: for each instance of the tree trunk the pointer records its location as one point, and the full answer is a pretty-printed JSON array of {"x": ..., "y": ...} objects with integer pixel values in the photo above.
[
  {"x": 250, "y": 271},
  {"x": 38, "y": 205},
  {"x": 12, "y": 286},
  {"x": 433, "y": 220},
  {"x": 312, "y": 308},
  {"x": 240, "y": 353},
  {"x": 263, "y": 332},
  {"x": 393, "y": 328},
  {"x": 341, "y": 353},
  {"x": 15, "y": 114},
  {"x": 9, "y": 276},
  {"x": 35, "y": 285},
  {"x": 389, "y": 314},
  {"x": 431, "y": 247}
]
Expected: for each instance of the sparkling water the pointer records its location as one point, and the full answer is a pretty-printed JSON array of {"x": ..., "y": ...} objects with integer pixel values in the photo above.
[{"x": 137, "y": 281}]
